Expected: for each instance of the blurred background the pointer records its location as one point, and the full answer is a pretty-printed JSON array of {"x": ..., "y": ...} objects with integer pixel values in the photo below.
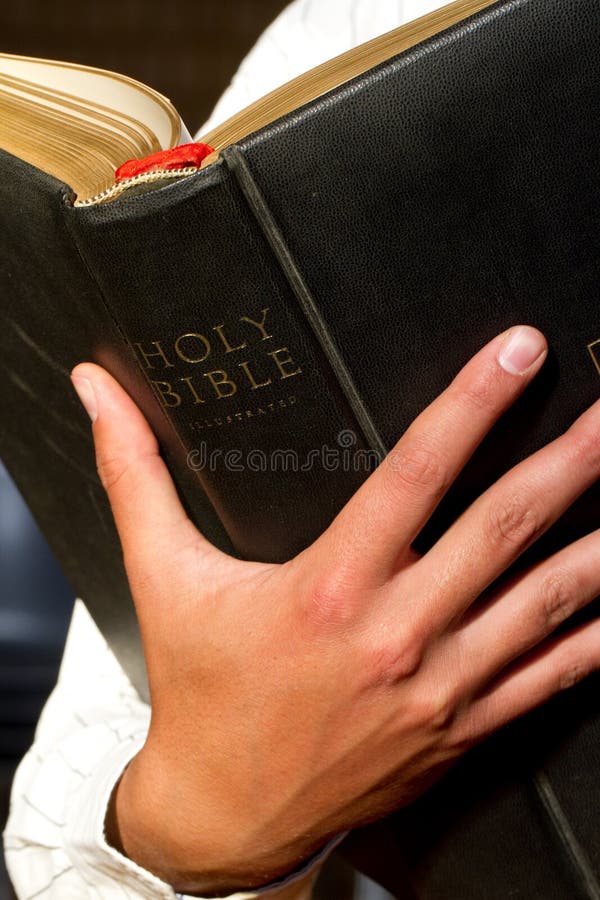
[
  {"x": 189, "y": 52},
  {"x": 186, "y": 49}
]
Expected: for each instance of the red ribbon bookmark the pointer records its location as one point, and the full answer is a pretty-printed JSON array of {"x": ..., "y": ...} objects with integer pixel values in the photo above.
[{"x": 182, "y": 157}]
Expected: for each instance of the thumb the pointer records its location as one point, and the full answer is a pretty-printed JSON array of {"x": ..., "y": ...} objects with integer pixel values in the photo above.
[{"x": 150, "y": 519}]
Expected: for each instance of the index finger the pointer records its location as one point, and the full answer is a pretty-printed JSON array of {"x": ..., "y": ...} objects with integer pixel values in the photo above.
[
  {"x": 374, "y": 531},
  {"x": 142, "y": 495}
]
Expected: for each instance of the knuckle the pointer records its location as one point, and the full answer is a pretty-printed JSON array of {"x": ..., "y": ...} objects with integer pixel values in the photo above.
[
  {"x": 480, "y": 393},
  {"x": 559, "y": 593},
  {"x": 585, "y": 447},
  {"x": 439, "y": 706},
  {"x": 513, "y": 520},
  {"x": 418, "y": 465},
  {"x": 394, "y": 662},
  {"x": 570, "y": 674},
  {"x": 330, "y": 601},
  {"x": 111, "y": 470}
]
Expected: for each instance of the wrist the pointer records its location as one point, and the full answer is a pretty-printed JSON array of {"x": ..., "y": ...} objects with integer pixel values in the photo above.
[{"x": 203, "y": 852}]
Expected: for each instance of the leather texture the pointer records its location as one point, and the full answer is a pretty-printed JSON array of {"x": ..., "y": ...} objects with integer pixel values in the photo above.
[{"x": 389, "y": 229}]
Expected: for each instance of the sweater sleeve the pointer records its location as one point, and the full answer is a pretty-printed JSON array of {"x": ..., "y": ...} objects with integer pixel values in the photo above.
[
  {"x": 92, "y": 725},
  {"x": 304, "y": 35}
]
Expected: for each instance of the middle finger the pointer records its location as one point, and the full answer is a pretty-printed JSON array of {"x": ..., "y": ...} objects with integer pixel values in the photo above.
[{"x": 499, "y": 526}]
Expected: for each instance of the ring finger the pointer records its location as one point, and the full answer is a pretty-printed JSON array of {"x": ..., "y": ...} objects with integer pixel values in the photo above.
[{"x": 518, "y": 618}]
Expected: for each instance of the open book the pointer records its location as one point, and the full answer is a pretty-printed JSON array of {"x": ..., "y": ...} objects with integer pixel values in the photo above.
[{"x": 79, "y": 123}]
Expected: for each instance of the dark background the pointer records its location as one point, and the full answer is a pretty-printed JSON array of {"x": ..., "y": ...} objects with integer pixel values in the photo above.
[{"x": 186, "y": 49}]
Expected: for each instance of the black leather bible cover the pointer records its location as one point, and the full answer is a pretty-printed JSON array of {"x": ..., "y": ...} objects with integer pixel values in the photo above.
[{"x": 284, "y": 314}]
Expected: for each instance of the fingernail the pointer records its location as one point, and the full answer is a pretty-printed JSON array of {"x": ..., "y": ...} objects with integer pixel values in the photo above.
[
  {"x": 87, "y": 395},
  {"x": 522, "y": 347}
]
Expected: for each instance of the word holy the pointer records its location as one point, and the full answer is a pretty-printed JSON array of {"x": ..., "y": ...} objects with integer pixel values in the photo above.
[{"x": 196, "y": 349}]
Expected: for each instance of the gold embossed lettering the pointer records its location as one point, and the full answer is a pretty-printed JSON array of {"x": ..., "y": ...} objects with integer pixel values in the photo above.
[
  {"x": 147, "y": 356},
  {"x": 248, "y": 372},
  {"x": 226, "y": 344},
  {"x": 218, "y": 383},
  {"x": 594, "y": 349},
  {"x": 283, "y": 363},
  {"x": 192, "y": 340},
  {"x": 195, "y": 395},
  {"x": 259, "y": 325},
  {"x": 167, "y": 395}
]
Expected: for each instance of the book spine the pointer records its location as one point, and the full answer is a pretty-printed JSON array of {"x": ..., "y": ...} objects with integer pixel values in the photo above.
[{"x": 263, "y": 419}]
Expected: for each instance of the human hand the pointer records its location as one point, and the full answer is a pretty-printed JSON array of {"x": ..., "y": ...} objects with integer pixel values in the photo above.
[{"x": 291, "y": 702}]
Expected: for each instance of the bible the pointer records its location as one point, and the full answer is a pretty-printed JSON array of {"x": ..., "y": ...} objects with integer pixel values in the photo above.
[{"x": 282, "y": 309}]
